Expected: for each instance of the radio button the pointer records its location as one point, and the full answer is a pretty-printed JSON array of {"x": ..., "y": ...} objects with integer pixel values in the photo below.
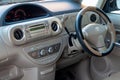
[
  {"x": 50, "y": 49},
  {"x": 42, "y": 52},
  {"x": 34, "y": 55}
]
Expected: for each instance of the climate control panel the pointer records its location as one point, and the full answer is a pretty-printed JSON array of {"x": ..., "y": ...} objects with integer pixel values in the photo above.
[{"x": 46, "y": 51}]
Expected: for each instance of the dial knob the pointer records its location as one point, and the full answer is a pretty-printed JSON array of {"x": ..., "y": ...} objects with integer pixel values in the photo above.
[
  {"x": 50, "y": 50},
  {"x": 42, "y": 52}
]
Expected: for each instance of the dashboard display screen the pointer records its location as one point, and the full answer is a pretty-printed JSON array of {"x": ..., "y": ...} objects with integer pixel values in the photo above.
[{"x": 37, "y": 27}]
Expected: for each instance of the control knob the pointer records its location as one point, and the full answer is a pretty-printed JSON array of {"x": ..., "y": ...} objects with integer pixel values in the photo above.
[
  {"x": 50, "y": 50},
  {"x": 42, "y": 52}
]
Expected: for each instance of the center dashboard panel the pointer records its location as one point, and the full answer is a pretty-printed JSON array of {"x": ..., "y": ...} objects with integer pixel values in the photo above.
[
  {"x": 38, "y": 39},
  {"x": 37, "y": 29},
  {"x": 30, "y": 28}
]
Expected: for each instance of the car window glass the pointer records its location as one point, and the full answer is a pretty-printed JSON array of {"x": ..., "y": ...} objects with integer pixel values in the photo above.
[
  {"x": 89, "y": 2},
  {"x": 118, "y": 3}
]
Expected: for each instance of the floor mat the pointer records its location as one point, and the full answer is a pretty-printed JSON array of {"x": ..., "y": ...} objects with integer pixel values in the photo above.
[{"x": 64, "y": 75}]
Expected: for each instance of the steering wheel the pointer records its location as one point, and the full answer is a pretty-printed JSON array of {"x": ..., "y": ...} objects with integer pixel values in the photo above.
[{"x": 93, "y": 34}]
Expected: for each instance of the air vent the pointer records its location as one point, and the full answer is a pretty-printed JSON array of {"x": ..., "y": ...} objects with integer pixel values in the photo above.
[
  {"x": 18, "y": 34},
  {"x": 54, "y": 26},
  {"x": 93, "y": 17}
]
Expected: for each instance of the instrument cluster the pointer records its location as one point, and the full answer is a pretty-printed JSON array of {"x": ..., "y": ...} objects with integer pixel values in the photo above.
[
  {"x": 24, "y": 12},
  {"x": 16, "y": 15}
]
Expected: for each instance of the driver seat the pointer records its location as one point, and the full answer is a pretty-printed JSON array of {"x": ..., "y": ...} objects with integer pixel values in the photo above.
[{"x": 115, "y": 76}]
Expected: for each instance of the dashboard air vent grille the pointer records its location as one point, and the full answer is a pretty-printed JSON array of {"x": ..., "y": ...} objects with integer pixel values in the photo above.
[
  {"x": 54, "y": 26},
  {"x": 18, "y": 34}
]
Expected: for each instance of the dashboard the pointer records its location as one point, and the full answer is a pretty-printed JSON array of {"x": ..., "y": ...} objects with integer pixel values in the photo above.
[
  {"x": 37, "y": 29},
  {"x": 34, "y": 36}
]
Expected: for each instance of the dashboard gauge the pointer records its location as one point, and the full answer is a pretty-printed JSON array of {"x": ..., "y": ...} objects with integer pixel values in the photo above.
[
  {"x": 16, "y": 15},
  {"x": 24, "y": 12},
  {"x": 10, "y": 16},
  {"x": 20, "y": 14}
]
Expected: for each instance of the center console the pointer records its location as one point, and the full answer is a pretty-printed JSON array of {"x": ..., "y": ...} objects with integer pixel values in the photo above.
[{"x": 34, "y": 47}]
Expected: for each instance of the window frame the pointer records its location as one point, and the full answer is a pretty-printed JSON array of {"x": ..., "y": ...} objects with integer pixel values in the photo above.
[{"x": 110, "y": 6}]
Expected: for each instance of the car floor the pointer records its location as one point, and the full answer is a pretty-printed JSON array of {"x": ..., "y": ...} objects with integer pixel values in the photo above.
[
  {"x": 67, "y": 73},
  {"x": 64, "y": 75},
  {"x": 77, "y": 71}
]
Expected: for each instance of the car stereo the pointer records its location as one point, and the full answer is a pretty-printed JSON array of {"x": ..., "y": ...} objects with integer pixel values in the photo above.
[{"x": 34, "y": 30}]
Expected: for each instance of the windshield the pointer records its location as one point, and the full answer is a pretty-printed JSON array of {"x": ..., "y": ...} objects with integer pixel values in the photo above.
[
  {"x": 19, "y": 1},
  {"x": 15, "y": 1},
  {"x": 89, "y": 3}
]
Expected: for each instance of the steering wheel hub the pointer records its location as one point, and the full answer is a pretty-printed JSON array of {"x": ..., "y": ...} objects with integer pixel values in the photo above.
[{"x": 95, "y": 33}]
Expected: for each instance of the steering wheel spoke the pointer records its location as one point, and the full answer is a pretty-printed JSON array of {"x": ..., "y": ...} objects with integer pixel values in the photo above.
[{"x": 102, "y": 49}]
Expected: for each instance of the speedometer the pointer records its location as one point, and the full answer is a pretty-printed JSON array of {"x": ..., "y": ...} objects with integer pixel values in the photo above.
[
  {"x": 10, "y": 16},
  {"x": 16, "y": 15},
  {"x": 19, "y": 15},
  {"x": 23, "y": 13}
]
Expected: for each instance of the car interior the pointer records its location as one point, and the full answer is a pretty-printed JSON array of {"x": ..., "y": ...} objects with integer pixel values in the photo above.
[{"x": 59, "y": 39}]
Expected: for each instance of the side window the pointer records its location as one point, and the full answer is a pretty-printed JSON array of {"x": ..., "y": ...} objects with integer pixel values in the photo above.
[
  {"x": 96, "y": 3},
  {"x": 112, "y": 5},
  {"x": 118, "y": 3},
  {"x": 89, "y": 2}
]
